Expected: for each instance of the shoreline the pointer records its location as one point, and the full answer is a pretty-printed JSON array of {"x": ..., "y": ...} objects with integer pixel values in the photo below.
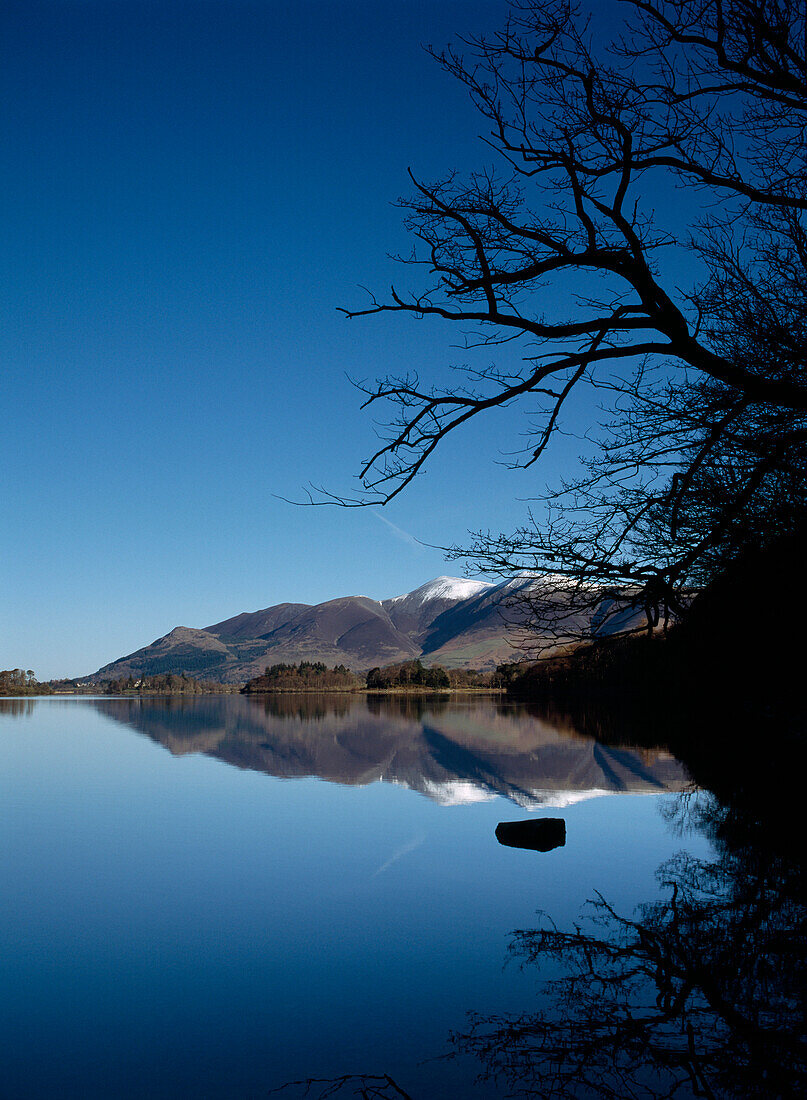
[{"x": 413, "y": 690}]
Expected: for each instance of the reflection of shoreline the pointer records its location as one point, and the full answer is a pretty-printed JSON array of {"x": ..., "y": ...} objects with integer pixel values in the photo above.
[
  {"x": 17, "y": 705},
  {"x": 451, "y": 751},
  {"x": 414, "y": 689}
]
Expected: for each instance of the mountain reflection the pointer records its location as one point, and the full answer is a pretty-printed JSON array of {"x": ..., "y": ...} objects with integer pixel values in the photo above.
[{"x": 452, "y": 750}]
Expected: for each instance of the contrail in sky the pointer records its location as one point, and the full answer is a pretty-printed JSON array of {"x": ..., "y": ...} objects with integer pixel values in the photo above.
[{"x": 399, "y": 531}]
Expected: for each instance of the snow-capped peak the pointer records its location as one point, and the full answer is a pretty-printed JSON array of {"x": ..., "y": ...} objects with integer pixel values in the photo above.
[{"x": 444, "y": 588}]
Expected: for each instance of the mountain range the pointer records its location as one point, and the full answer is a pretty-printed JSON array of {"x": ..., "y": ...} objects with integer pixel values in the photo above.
[
  {"x": 448, "y": 621},
  {"x": 450, "y": 754}
]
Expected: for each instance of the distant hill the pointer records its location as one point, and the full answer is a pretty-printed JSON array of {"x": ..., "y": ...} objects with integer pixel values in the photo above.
[{"x": 449, "y": 621}]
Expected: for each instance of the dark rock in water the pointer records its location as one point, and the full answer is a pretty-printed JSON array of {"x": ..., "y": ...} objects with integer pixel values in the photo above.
[{"x": 540, "y": 834}]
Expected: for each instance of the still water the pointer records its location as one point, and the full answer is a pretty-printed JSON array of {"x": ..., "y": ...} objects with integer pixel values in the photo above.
[{"x": 212, "y": 896}]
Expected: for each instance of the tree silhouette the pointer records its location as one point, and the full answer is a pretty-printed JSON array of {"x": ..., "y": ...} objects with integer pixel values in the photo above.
[{"x": 707, "y": 96}]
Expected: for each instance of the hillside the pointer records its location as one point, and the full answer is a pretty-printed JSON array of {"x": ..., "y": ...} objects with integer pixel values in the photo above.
[{"x": 449, "y": 621}]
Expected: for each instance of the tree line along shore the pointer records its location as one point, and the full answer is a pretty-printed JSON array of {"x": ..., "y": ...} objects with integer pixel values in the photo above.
[
  {"x": 307, "y": 676},
  {"x": 741, "y": 640}
]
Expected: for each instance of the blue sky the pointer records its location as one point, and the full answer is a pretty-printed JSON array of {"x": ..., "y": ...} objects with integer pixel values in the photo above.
[{"x": 190, "y": 191}]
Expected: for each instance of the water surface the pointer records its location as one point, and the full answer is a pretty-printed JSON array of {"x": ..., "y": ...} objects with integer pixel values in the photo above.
[{"x": 210, "y": 896}]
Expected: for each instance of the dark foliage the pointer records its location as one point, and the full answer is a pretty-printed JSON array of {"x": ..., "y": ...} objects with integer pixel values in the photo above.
[
  {"x": 740, "y": 636},
  {"x": 409, "y": 674},
  {"x": 169, "y": 683},
  {"x": 460, "y": 678},
  {"x": 307, "y": 676},
  {"x": 17, "y": 681}
]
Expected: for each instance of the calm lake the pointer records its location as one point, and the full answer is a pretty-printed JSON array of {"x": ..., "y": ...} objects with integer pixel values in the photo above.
[{"x": 212, "y": 896}]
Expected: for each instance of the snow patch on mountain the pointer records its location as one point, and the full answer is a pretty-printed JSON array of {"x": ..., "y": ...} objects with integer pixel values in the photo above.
[{"x": 444, "y": 588}]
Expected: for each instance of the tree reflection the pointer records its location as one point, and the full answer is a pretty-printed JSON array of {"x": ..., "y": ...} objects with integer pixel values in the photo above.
[
  {"x": 17, "y": 708},
  {"x": 367, "y": 1086},
  {"x": 410, "y": 706},
  {"x": 308, "y": 707},
  {"x": 701, "y": 994}
]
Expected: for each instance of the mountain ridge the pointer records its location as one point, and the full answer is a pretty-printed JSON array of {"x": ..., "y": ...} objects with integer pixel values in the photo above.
[{"x": 453, "y": 621}]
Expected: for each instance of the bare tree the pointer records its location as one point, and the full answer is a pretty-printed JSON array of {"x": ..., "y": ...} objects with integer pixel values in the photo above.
[{"x": 707, "y": 384}]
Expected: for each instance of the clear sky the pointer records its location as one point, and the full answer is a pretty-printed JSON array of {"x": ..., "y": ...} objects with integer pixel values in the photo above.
[{"x": 190, "y": 191}]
